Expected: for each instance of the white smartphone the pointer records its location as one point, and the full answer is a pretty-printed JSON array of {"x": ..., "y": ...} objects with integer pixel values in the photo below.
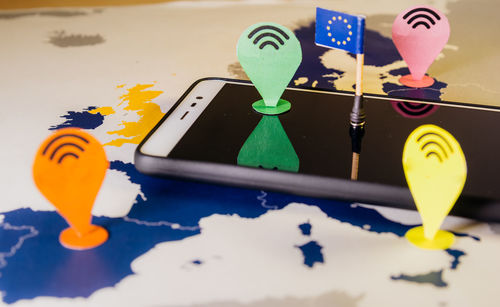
[{"x": 213, "y": 134}]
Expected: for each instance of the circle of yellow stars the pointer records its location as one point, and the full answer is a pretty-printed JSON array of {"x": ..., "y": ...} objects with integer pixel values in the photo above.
[{"x": 349, "y": 27}]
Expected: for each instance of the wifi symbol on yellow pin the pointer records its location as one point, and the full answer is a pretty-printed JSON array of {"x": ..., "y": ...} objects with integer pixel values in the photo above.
[
  {"x": 434, "y": 145},
  {"x": 435, "y": 170}
]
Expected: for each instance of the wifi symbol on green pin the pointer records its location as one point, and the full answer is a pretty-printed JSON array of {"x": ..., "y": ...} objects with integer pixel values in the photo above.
[{"x": 270, "y": 54}]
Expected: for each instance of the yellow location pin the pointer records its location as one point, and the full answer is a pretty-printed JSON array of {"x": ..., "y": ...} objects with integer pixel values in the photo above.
[{"x": 435, "y": 170}]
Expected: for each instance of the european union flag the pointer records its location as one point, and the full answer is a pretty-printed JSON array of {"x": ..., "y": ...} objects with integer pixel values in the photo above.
[{"x": 340, "y": 30}]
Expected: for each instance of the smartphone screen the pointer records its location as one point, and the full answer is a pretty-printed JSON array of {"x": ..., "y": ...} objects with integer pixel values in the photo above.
[{"x": 317, "y": 127}]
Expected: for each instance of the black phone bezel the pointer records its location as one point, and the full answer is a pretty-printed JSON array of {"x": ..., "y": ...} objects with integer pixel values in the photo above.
[{"x": 484, "y": 209}]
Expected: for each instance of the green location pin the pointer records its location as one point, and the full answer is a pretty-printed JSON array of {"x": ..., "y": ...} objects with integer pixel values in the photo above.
[
  {"x": 270, "y": 55},
  {"x": 269, "y": 147}
]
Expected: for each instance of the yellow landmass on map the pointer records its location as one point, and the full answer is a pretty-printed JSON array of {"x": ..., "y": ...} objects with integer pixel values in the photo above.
[
  {"x": 138, "y": 99},
  {"x": 103, "y": 111}
]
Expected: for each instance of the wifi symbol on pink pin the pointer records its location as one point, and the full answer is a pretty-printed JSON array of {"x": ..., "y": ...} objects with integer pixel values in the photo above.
[
  {"x": 420, "y": 33},
  {"x": 417, "y": 17},
  {"x": 414, "y": 109}
]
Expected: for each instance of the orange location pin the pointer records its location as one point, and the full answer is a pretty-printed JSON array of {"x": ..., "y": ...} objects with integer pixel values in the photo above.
[{"x": 69, "y": 168}]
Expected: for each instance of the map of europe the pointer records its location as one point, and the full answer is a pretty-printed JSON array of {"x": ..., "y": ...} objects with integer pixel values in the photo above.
[{"x": 248, "y": 239}]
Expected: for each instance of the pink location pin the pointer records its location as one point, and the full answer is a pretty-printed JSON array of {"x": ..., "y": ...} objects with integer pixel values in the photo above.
[{"x": 420, "y": 34}]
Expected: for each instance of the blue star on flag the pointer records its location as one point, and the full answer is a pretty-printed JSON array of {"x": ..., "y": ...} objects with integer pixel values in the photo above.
[{"x": 340, "y": 30}]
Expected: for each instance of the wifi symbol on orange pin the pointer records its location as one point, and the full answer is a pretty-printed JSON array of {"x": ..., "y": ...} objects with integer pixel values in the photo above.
[
  {"x": 435, "y": 171},
  {"x": 69, "y": 169}
]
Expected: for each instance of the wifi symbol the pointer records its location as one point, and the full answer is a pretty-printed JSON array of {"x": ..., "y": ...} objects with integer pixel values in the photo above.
[
  {"x": 414, "y": 110},
  {"x": 267, "y": 35},
  {"x": 424, "y": 16},
  {"x": 434, "y": 144},
  {"x": 66, "y": 146}
]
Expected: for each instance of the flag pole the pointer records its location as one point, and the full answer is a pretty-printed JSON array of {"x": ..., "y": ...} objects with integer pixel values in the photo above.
[
  {"x": 360, "y": 61},
  {"x": 357, "y": 117}
]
